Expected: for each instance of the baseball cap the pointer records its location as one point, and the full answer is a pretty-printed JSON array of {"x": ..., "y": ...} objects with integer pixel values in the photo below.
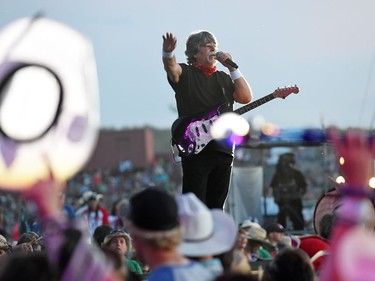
[
  {"x": 153, "y": 209},
  {"x": 275, "y": 227}
]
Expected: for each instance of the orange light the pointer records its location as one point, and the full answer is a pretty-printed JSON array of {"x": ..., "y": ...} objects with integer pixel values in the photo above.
[{"x": 342, "y": 161}]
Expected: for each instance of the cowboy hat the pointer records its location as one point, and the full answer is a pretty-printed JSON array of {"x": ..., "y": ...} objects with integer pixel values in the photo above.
[
  {"x": 118, "y": 233},
  {"x": 258, "y": 234},
  {"x": 206, "y": 232},
  {"x": 248, "y": 223}
]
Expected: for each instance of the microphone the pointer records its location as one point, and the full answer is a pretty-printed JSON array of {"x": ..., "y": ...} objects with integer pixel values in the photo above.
[{"x": 230, "y": 62}]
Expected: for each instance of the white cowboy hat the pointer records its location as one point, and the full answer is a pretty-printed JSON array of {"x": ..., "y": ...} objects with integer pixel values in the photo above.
[
  {"x": 206, "y": 232},
  {"x": 49, "y": 106}
]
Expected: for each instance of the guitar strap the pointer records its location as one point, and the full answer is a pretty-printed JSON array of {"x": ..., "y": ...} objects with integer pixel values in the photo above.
[{"x": 220, "y": 81}]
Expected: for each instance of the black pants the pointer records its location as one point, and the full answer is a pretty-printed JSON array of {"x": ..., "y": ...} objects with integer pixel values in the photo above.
[
  {"x": 291, "y": 208},
  {"x": 207, "y": 175}
]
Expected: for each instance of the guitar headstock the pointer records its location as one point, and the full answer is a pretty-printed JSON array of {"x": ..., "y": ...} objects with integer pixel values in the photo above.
[{"x": 286, "y": 91}]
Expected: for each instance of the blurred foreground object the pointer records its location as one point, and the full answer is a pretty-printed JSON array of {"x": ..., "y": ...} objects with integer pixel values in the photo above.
[
  {"x": 355, "y": 217},
  {"x": 49, "y": 106}
]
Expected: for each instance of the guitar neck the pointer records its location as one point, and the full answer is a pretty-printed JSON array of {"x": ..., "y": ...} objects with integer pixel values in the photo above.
[{"x": 254, "y": 104}]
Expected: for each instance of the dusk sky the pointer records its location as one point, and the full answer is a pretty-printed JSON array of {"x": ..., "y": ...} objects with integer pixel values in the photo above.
[{"x": 326, "y": 47}]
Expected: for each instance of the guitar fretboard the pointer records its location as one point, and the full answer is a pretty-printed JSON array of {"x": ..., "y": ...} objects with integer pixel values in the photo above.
[{"x": 254, "y": 104}]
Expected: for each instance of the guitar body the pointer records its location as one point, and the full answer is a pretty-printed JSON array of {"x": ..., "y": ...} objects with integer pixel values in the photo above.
[{"x": 192, "y": 134}]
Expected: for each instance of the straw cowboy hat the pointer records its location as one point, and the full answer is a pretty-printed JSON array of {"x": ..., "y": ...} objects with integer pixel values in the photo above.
[
  {"x": 258, "y": 234},
  {"x": 246, "y": 224},
  {"x": 118, "y": 233}
]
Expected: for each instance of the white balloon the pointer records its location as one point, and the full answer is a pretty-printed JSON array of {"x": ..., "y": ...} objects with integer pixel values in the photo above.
[{"x": 49, "y": 111}]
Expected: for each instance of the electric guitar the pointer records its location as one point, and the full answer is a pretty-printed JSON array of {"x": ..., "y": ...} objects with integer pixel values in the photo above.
[{"x": 191, "y": 134}]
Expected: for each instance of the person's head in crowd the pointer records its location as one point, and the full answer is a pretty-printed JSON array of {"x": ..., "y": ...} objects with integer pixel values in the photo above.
[
  {"x": 285, "y": 241},
  {"x": 275, "y": 233},
  {"x": 4, "y": 246},
  {"x": 85, "y": 194},
  {"x": 207, "y": 232},
  {"x": 94, "y": 201},
  {"x": 33, "y": 266},
  {"x": 100, "y": 233},
  {"x": 32, "y": 239},
  {"x": 240, "y": 261},
  {"x": 257, "y": 245},
  {"x": 116, "y": 207},
  {"x": 155, "y": 227},
  {"x": 119, "y": 241},
  {"x": 286, "y": 161},
  {"x": 241, "y": 240},
  {"x": 153, "y": 222},
  {"x": 115, "y": 218},
  {"x": 290, "y": 264}
]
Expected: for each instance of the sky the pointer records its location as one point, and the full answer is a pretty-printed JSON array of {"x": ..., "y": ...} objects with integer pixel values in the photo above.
[{"x": 325, "y": 47}]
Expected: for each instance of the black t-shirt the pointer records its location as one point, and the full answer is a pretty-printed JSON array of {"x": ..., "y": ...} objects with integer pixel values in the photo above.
[{"x": 197, "y": 94}]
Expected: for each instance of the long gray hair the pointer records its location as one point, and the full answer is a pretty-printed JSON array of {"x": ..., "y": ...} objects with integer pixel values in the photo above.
[{"x": 195, "y": 41}]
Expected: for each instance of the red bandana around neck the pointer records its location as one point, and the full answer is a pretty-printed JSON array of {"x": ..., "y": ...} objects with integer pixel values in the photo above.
[{"x": 205, "y": 69}]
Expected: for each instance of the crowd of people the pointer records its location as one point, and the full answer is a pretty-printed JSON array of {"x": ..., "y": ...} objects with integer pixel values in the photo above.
[
  {"x": 161, "y": 234},
  {"x": 112, "y": 187},
  {"x": 168, "y": 236}
]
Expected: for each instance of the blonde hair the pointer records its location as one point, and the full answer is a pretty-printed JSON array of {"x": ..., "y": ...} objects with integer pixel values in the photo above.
[{"x": 163, "y": 240}]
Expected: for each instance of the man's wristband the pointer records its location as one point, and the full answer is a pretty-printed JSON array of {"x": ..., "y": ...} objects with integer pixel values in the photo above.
[
  {"x": 235, "y": 74},
  {"x": 167, "y": 55}
]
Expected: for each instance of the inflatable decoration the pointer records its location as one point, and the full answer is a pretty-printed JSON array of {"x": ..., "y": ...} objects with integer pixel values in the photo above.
[{"x": 49, "y": 102}]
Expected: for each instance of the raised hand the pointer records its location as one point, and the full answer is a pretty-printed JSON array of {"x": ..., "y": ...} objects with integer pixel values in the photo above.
[{"x": 169, "y": 42}]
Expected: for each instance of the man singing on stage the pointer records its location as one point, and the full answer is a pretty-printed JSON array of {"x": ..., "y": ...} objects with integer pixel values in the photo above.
[{"x": 200, "y": 88}]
